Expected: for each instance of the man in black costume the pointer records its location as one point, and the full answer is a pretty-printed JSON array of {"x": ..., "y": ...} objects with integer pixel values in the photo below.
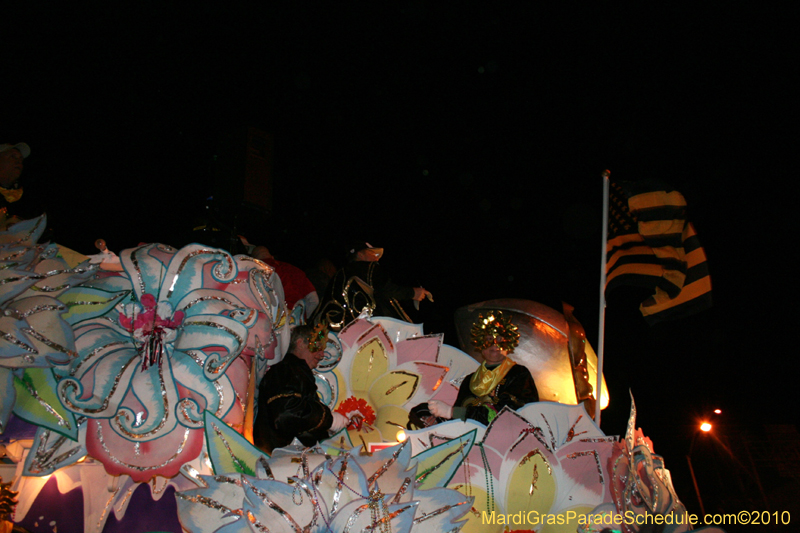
[
  {"x": 288, "y": 404},
  {"x": 498, "y": 382},
  {"x": 361, "y": 284}
]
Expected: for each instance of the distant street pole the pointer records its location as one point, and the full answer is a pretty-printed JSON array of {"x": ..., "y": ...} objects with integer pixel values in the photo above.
[
  {"x": 694, "y": 480},
  {"x": 691, "y": 470}
]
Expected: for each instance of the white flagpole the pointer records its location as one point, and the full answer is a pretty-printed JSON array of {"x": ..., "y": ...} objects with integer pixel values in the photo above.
[{"x": 602, "y": 326}]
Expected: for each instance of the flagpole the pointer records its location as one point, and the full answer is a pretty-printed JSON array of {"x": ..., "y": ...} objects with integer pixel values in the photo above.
[{"x": 602, "y": 325}]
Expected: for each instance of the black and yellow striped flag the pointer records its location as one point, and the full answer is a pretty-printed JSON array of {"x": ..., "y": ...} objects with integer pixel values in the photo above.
[{"x": 652, "y": 245}]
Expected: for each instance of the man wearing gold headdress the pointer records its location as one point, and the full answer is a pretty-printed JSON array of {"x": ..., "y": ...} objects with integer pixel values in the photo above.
[
  {"x": 498, "y": 382},
  {"x": 288, "y": 404}
]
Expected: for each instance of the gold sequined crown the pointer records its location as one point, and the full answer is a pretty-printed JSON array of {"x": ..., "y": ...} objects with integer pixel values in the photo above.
[
  {"x": 494, "y": 328},
  {"x": 319, "y": 338}
]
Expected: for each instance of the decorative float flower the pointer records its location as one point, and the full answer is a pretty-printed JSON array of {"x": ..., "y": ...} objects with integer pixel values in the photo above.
[
  {"x": 258, "y": 287},
  {"x": 548, "y": 459},
  {"x": 33, "y": 334},
  {"x": 151, "y": 326},
  {"x": 641, "y": 486},
  {"x": 108, "y": 305},
  {"x": 386, "y": 367},
  {"x": 314, "y": 491},
  {"x": 145, "y": 373}
]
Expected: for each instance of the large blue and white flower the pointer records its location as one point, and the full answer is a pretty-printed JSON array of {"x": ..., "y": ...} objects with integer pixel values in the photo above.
[{"x": 146, "y": 372}]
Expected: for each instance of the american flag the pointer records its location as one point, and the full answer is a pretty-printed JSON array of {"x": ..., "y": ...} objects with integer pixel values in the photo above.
[{"x": 651, "y": 244}]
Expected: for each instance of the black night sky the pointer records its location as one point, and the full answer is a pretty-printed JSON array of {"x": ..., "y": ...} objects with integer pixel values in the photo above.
[{"x": 468, "y": 140}]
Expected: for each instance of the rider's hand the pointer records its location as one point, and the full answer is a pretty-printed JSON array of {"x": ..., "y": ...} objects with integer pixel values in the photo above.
[{"x": 440, "y": 409}]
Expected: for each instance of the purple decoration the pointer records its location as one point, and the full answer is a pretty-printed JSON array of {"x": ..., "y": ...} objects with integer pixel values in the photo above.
[
  {"x": 65, "y": 511},
  {"x": 145, "y": 515},
  {"x": 50, "y": 506},
  {"x": 18, "y": 429}
]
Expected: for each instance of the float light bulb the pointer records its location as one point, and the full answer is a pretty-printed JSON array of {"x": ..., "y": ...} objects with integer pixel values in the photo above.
[
  {"x": 401, "y": 436},
  {"x": 718, "y": 411},
  {"x": 603, "y": 400},
  {"x": 705, "y": 426}
]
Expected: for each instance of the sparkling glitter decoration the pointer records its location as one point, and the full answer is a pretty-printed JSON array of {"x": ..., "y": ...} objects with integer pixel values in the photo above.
[
  {"x": 151, "y": 326},
  {"x": 35, "y": 340},
  {"x": 388, "y": 367},
  {"x": 121, "y": 368},
  {"x": 146, "y": 371},
  {"x": 527, "y": 460},
  {"x": 494, "y": 328},
  {"x": 318, "y": 339},
  {"x": 349, "y": 492},
  {"x": 641, "y": 485}
]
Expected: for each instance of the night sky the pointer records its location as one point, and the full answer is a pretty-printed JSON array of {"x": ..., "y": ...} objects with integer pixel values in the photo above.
[{"x": 467, "y": 140}]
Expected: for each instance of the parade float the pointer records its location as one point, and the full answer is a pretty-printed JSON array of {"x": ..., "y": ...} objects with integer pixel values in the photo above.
[{"x": 129, "y": 396}]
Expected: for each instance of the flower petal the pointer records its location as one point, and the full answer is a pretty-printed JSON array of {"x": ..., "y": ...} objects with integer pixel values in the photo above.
[
  {"x": 210, "y": 331},
  {"x": 38, "y": 403},
  {"x": 157, "y": 392}
]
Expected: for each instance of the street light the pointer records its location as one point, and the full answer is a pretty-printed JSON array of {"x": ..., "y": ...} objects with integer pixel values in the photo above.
[
  {"x": 705, "y": 427},
  {"x": 719, "y": 438}
]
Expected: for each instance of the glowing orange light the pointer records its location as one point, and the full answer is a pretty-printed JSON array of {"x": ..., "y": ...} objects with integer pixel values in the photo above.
[
  {"x": 718, "y": 411},
  {"x": 401, "y": 436},
  {"x": 603, "y": 400},
  {"x": 705, "y": 426}
]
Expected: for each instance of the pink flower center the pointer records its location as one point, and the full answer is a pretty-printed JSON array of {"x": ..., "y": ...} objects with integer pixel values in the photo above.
[{"x": 152, "y": 325}]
